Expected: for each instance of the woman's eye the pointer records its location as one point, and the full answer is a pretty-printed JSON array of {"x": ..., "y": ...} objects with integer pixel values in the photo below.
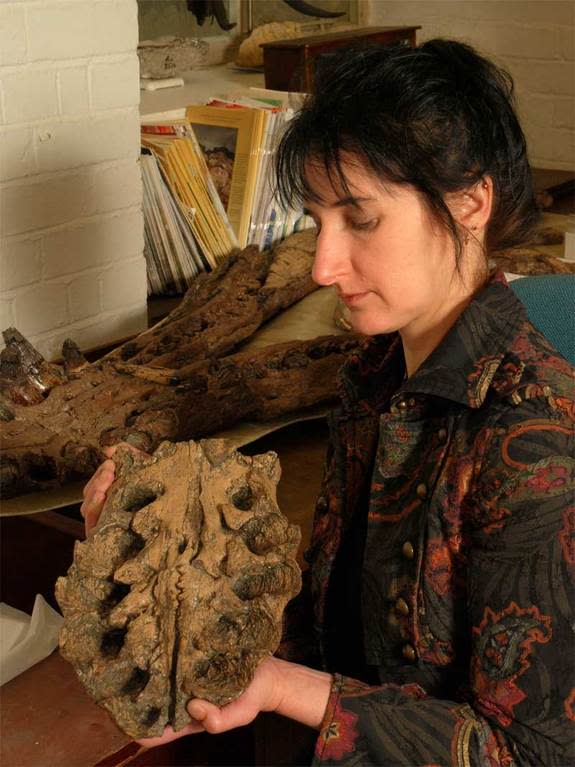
[{"x": 365, "y": 226}]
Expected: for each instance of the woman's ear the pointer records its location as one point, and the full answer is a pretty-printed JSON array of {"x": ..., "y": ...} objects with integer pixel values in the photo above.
[{"x": 472, "y": 207}]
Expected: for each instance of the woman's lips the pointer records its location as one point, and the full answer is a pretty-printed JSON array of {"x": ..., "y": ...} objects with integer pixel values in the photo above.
[{"x": 352, "y": 299}]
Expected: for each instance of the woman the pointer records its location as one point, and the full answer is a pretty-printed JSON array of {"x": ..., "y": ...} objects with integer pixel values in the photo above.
[{"x": 441, "y": 549}]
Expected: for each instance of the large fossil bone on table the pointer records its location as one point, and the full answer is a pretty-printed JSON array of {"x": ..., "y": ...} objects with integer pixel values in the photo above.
[
  {"x": 179, "y": 590},
  {"x": 187, "y": 377}
]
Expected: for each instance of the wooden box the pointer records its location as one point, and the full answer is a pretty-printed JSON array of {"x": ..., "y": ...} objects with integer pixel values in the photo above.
[{"x": 289, "y": 64}]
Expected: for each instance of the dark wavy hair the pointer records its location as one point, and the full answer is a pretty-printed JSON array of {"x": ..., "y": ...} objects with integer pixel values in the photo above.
[{"x": 438, "y": 117}]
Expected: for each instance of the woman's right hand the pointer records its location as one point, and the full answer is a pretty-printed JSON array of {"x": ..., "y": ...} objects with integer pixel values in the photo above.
[{"x": 97, "y": 487}]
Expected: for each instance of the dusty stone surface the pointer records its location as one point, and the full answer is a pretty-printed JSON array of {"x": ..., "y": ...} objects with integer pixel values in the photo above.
[
  {"x": 180, "y": 589},
  {"x": 171, "y": 56}
]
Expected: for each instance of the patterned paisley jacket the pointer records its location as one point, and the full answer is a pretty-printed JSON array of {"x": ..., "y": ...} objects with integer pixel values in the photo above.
[{"x": 465, "y": 471}]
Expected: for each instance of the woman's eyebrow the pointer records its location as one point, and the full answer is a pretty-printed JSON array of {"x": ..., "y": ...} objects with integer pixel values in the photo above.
[{"x": 350, "y": 200}]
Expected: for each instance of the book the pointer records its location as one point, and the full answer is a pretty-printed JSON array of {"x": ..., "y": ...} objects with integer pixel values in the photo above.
[
  {"x": 231, "y": 140},
  {"x": 172, "y": 257},
  {"x": 209, "y": 186},
  {"x": 186, "y": 172},
  {"x": 269, "y": 221}
]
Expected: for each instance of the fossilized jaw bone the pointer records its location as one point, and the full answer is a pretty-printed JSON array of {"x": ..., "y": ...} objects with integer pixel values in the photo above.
[{"x": 179, "y": 591}]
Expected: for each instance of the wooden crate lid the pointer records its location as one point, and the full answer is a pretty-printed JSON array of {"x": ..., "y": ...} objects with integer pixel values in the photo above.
[{"x": 348, "y": 34}]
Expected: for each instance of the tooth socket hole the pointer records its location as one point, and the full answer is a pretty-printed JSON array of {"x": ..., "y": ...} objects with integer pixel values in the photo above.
[
  {"x": 151, "y": 717},
  {"x": 247, "y": 587},
  {"x": 118, "y": 592},
  {"x": 131, "y": 418},
  {"x": 243, "y": 499},
  {"x": 129, "y": 350},
  {"x": 41, "y": 468},
  {"x": 138, "y": 496},
  {"x": 112, "y": 642},
  {"x": 136, "y": 683},
  {"x": 135, "y": 545}
]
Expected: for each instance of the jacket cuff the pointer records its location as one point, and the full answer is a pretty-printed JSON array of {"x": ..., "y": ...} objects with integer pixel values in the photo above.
[{"x": 337, "y": 730}]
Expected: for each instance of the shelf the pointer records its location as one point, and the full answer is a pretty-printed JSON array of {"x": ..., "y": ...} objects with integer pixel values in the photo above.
[{"x": 199, "y": 86}]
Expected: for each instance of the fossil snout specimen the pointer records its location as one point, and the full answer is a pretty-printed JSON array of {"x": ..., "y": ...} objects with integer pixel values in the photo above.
[{"x": 179, "y": 591}]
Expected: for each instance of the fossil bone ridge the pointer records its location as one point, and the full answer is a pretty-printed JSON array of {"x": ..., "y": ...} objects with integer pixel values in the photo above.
[{"x": 179, "y": 590}]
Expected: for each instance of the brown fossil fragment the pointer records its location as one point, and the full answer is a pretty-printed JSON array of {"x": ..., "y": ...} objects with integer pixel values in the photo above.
[
  {"x": 179, "y": 590},
  {"x": 60, "y": 438},
  {"x": 529, "y": 261},
  {"x": 185, "y": 378}
]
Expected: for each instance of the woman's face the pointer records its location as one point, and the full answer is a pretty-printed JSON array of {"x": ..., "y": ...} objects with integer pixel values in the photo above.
[{"x": 391, "y": 263}]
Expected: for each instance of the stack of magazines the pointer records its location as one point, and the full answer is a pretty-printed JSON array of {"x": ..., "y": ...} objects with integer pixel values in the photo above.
[
  {"x": 172, "y": 256},
  {"x": 209, "y": 188}
]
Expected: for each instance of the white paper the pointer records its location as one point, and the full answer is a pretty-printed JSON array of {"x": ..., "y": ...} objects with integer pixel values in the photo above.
[{"x": 24, "y": 639}]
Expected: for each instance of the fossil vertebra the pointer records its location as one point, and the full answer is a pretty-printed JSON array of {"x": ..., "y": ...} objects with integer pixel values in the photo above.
[{"x": 179, "y": 591}]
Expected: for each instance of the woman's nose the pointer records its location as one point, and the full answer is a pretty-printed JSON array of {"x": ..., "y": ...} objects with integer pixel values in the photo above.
[{"x": 330, "y": 259}]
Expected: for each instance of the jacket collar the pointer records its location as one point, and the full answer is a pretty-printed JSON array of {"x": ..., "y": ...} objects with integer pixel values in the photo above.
[
  {"x": 463, "y": 366},
  {"x": 369, "y": 378}
]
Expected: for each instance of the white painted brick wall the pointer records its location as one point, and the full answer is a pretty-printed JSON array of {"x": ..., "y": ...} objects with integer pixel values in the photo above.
[
  {"x": 81, "y": 28},
  {"x": 21, "y": 264},
  {"x": 84, "y": 293},
  {"x": 46, "y": 201},
  {"x": 40, "y": 306},
  {"x": 533, "y": 39},
  {"x": 71, "y": 226},
  {"x": 122, "y": 284},
  {"x": 6, "y": 312},
  {"x": 74, "y": 90},
  {"x": 116, "y": 84},
  {"x": 94, "y": 140},
  {"x": 17, "y": 153},
  {"x": 12, "y": 35},
  {"x": 31, "y": 94},
  {"x": 95, "y": 243}
]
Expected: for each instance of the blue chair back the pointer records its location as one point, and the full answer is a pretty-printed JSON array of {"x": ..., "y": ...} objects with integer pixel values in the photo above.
[{"x": 549, "y": 300}]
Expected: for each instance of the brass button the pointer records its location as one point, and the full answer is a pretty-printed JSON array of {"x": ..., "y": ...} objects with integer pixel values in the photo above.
[
  {"x": 401, "y": 606},
  {"x": 402, "y": 404},
  {"x": 407, "y": 550},
  {"x": 421, "y": 490},
  {"x": 442, "y": 435},
  {"x": 408, "y": 652}
]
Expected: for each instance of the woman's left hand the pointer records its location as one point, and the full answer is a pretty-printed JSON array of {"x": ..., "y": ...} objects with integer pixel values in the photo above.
[
  {"x": 291, "y": 690},
  {"x": 263, "y": 694}
]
